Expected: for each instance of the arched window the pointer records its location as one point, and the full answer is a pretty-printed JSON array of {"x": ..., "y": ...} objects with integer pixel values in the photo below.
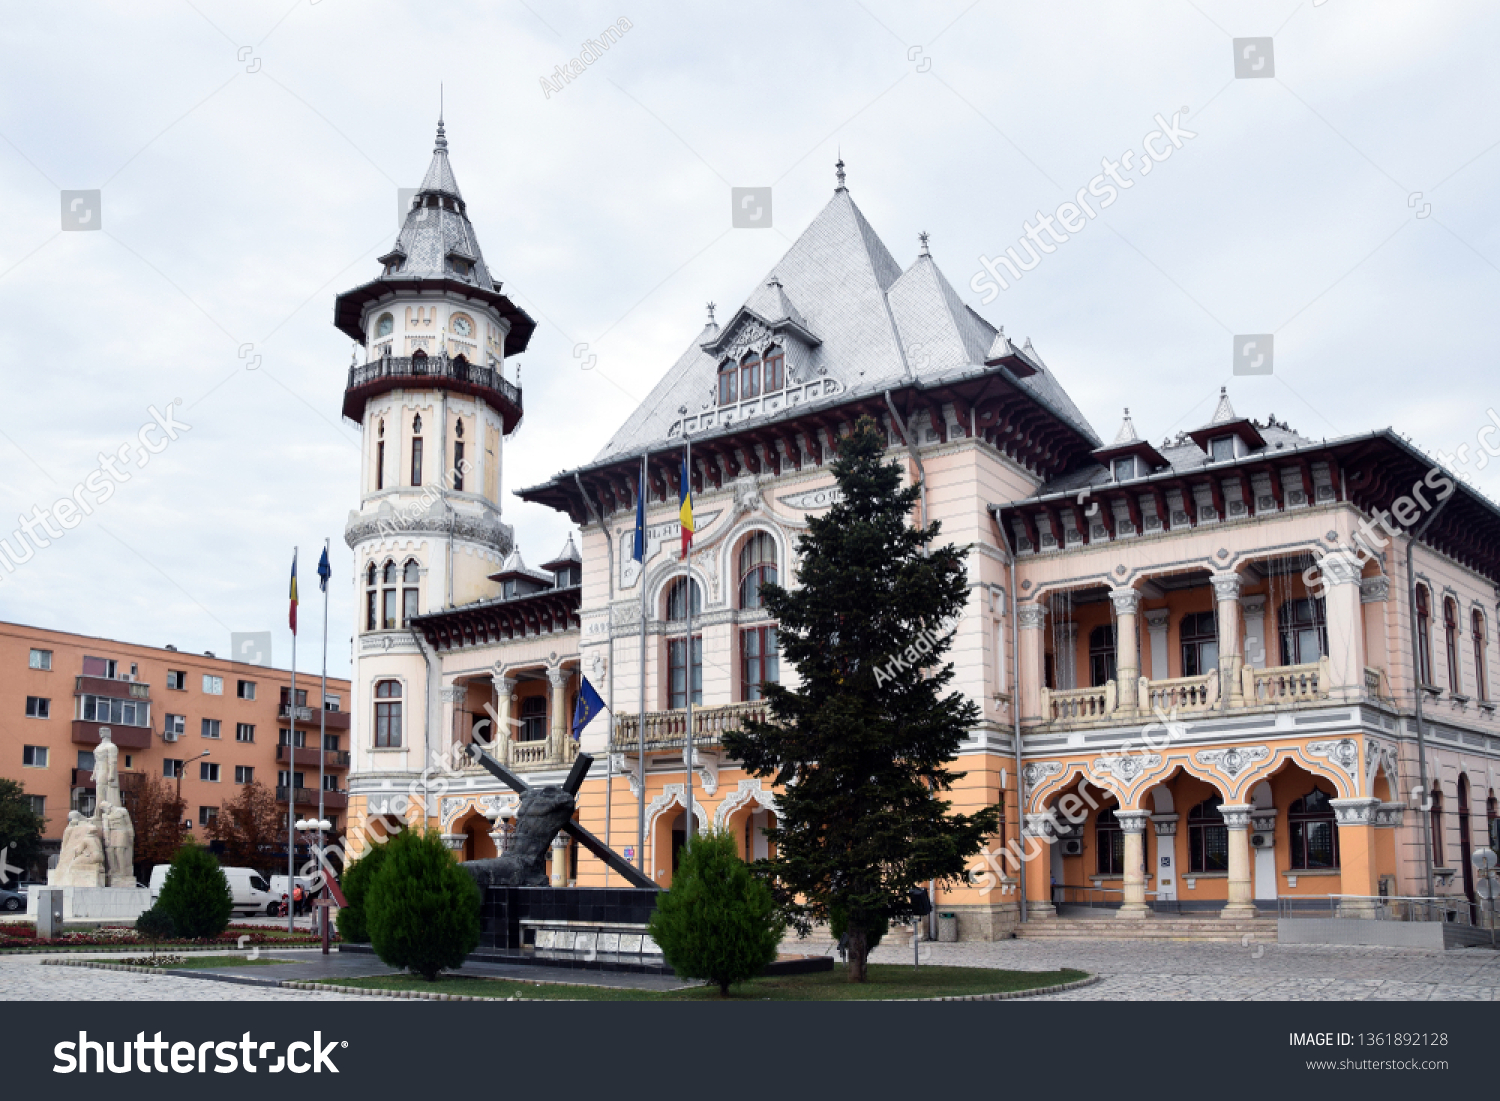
[
  {"x": 388, "y": 597},
  {"x": 372, "y": 599},
  {"x": 380, "y": 456},
  {"x": 388, "y": 714},
  {"x": 458, "y": 455},
  {"x": 1200, "y": 644},
  {"x": 757, "y": 567},
  {"x": 1109, "y": 840},
  {"x": 385, "y": 325},
  {"x": 729, "y": 391},
  {"x": 1208, "y": 837},
  {"x": 677, "y": 600},
  {"x": 1424, "y": 635},
  {"x": 775, "y": 369},
  {"x": 1304, "y": 631},
  {"x": 416, "y": 447},
  {"x": 750, "y": 376},
  {"x": 1481, "y": 656},
  {"x": 1450, "y": 644},
  {"x": 534, "y": 719},
  {"x": 410, "y": 575},
  {"x": 1314, "y": 833},
  {"x": 1435, "y": 818},
  {"x": 1101, "y": 656}
]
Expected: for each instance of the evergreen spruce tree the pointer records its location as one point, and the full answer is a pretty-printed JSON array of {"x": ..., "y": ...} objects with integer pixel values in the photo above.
[
  {"x": 718, "y": 922},
  {"x": 353, "y": 919},
  {"x": 195, "y": 895},
  {"x": 422, "y": 909},
  {"x": 861, "y": 747}
]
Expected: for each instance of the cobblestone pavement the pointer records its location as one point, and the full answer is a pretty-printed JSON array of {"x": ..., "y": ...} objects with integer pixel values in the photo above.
[
  {"x": 1183, "y": 971},
  {"x": 23, "y": 978}
]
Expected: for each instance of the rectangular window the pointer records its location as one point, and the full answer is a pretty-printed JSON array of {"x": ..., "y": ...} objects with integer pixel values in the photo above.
[
  {"x": 759, "y": 662},
  {"x": 330, "y": 783},
  {"x": 1125, "y": 469},
  {"x": 175, "y": 724},
  {"x": 300, "y": 741},
  {"x": 86, "y": 760},
  {"x": 534, "y": 718},
  {"x": 370, "y": 623},
  {"x": 106, "y": 709},
  {"x": 209, "y": 771},
  {"x": 244, "y": 774},
  {"x": 244, "y": 732},
  {"x": 41, "y": 659},
  {"x": 416, "y": 461},
  {"x": 678, "y": 672},
  {"x": 380, "y": 464},
  {"x": 1208, "y": 848},
  {"x": 774, "y": 363},
  {"x": 331, "y": 703},
  {"x": 297, "y": 778},
  {"x": 34, "y": 756},
  {"x": 458, "y": 466},
  {"x": 750, "y": 378},
  {"x": 206, "y": 815},
  {"x": 177, "y": 680},
  {"x": 38, "y": 805},
  {"x": 1221, "y": 450},
  {"x": 331, "y": 743},
  {"x": 408, "y": 605},
  {"x": 389, "y": 596},
  {"x": 213, "y": 686},
  {"x": 171, "y": 768},
  {"x": 38, "y": 707},
  {"x": 99, "y": 667},
  {"x": 210, "y": 728},
  {"x": 728, "y": 384},
  {"x": 286, "y": 696},
  {"x": 245, "y": 690}
]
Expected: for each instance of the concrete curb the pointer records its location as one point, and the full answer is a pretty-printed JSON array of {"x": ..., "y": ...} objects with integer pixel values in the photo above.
[{"x": 1007, "y": 995}]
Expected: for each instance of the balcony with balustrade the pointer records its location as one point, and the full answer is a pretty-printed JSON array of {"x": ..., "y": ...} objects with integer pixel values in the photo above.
[
  {"x": 435, "y": 372},
  {"x": 668, "y": 730}
]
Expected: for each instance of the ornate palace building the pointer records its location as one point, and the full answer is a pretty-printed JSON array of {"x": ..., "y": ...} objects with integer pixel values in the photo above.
[{"x": 1214, "y": 672}]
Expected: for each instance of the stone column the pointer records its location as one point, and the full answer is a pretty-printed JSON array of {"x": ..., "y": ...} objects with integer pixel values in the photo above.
[
  {"x": 451, "y": 697},
  {"x": 1263, "y": 820},
  {"x": 560, "y": 846},
  {"x": 557, "y": 713},
  {"x": 1133, "y": 826},
  {"x": 1227, "y": 594},
  {"x": 1065, "y": 661},
  {"x": 504, "y": 733},
  {"x": 1253, "y": 608},
  {"x": 1346, "y": 631},
  {"x": 1033, "y": 620},
  {"x": 1157, "y": 620},
  {"x": 1237, "y": 819},
  {"x": 1127, "y": 659},
  {"x": 1358, "y": 873},
  {"x": 1036, "y": 848},
  {"x": 1166, "y": 856}
]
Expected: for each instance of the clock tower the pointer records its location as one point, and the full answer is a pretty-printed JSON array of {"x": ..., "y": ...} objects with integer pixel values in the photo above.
[{"x": 429, "y": 391}]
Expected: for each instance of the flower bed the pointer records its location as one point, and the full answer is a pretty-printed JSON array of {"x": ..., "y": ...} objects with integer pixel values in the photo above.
[{"x": 21, "y": 935}]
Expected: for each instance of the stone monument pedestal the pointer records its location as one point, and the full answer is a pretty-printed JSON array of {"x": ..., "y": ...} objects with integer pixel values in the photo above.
[{"x": 97, "y": 903}]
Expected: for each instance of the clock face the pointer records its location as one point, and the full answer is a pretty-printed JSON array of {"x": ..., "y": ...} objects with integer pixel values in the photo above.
[{"x": 463, "y": 326}]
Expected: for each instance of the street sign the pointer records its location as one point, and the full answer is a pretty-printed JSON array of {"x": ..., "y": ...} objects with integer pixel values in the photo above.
[
  {"x": 1488, "y": 887},
  {"x": 1484, "y": 859}
]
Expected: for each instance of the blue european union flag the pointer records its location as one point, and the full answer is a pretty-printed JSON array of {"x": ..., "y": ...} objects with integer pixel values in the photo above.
[
  {"x": 638, "y": 552},
  {"x": 589, "y": 705}
]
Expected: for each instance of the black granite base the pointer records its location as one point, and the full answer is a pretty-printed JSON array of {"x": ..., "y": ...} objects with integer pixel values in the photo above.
[{"x": 503, "y": 908}]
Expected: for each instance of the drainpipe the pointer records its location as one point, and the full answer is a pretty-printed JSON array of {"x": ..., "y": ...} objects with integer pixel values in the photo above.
[
  {"x": 915, "y": 458},
  {"x": 1015, "y": 714},
  {"x": 609, "y": 642},
  {"x": 1416, "y": 671},
  {"x": 430, "y": 695}
]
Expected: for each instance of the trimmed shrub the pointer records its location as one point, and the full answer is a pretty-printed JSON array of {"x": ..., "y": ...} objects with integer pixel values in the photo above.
[
  {"x": 196, "y": 895},
  {"x": 155, "y": 926},
  {"x": 718, "y": 922},
  {"x": 353, "y": 919},
  {"x": 421, "y": 908}
]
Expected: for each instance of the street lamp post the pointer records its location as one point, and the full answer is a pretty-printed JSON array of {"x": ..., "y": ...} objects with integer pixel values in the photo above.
[{"x": 308, "y": 825}]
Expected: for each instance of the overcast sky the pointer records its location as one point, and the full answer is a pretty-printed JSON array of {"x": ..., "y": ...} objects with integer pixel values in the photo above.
[{"x": 248, "y": 156}]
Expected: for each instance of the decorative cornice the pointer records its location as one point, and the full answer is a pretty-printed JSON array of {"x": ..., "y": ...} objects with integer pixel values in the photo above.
[
  {"x": 1125, "y": 769},
  {"x": 1236, "y": 815},
  {"x": 389, "y": 642},
  {"x": 490, "y": 533},
  {"x": 1164, "y": 824},
  {"x": 1037, "y": 771},
  {"x": 1232, "y": 762},
  {"x": 1132, "y": 821},
  {"x": 1340, "y": 752}
]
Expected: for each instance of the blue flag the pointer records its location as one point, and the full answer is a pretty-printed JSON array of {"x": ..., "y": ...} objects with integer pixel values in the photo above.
[
  {"x": 638, "y": 552},
  {"x": 325, "y": 571},
  {"x": 589, "y": 705}
]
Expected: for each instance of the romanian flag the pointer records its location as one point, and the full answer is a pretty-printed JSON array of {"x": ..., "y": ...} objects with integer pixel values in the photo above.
[
  {"x": 685, "y": 497},
  {"x": 292, "y": 614}
]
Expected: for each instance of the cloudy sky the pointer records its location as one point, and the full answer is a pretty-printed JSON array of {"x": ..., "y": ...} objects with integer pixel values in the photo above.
[{"x": 247, "y": 156}]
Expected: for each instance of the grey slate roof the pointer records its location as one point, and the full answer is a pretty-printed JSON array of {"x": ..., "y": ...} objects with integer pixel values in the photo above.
[
  {"x": 877, "y": 327},
  {"x": 431, "y": 234}
]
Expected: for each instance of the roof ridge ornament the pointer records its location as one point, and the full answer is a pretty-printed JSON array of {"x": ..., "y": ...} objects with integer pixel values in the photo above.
[
  {"x": 923, "y": 238},
  {"x": 838, "y": 170}
]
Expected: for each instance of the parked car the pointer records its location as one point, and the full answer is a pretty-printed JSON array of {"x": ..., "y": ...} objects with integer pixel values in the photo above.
[
  {"x": 247, "y": 887},
  {"x": 11, "y": 901}
]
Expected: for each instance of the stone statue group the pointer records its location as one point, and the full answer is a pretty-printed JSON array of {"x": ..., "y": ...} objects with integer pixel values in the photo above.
[{"x": 98, "y": 851}]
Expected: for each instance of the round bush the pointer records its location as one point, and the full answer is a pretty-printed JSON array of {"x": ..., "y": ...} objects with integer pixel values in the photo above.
[
  {"x": 353, "y": 919},
  {"x": 196, "y": 895},
  {"x": 718, "y": 922},
  {"x": 155, "y": 926},
  {"x": 421, "y": 908}
]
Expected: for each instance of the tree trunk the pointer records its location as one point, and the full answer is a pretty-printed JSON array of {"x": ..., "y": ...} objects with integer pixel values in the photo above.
[{"x": 859, "y": 952}]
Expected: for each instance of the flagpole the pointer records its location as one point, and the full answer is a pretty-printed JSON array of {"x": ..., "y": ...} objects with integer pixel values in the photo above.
[
  {"x": 322, "y": 725},
  {"x": 687, "y": 479},
  {"x": 640, "y": 728},
  {"x": 291, "y": 766}
]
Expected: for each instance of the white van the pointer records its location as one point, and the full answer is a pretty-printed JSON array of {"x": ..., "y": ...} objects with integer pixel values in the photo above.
[{"x": 247, "y": 887}]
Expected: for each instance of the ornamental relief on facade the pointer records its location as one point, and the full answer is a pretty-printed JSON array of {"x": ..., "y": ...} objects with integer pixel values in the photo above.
[{"x": 1232, "y": 762}]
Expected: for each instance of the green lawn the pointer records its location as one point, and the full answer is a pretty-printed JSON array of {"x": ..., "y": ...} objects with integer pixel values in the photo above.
[{"x": 886, "y": 980}]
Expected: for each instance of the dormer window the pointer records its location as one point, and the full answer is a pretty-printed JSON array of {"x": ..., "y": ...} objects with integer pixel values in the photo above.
[
  {"x": 729, "y": 390},
  {"x": 1125, "y": 468},
  {"x": 1221, "y": 449},
  {"x": 750, "y": 376},
  {"x": 775, "y": 364}
]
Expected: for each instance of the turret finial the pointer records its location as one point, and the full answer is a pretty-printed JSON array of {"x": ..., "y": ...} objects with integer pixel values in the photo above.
[
  {"x": 839, "y": 172},
  {"x": 923, "y": 238}
]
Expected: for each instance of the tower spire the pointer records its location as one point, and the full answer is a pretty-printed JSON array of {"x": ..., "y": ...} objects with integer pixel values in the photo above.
[{"x": 838, "y": 170}]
